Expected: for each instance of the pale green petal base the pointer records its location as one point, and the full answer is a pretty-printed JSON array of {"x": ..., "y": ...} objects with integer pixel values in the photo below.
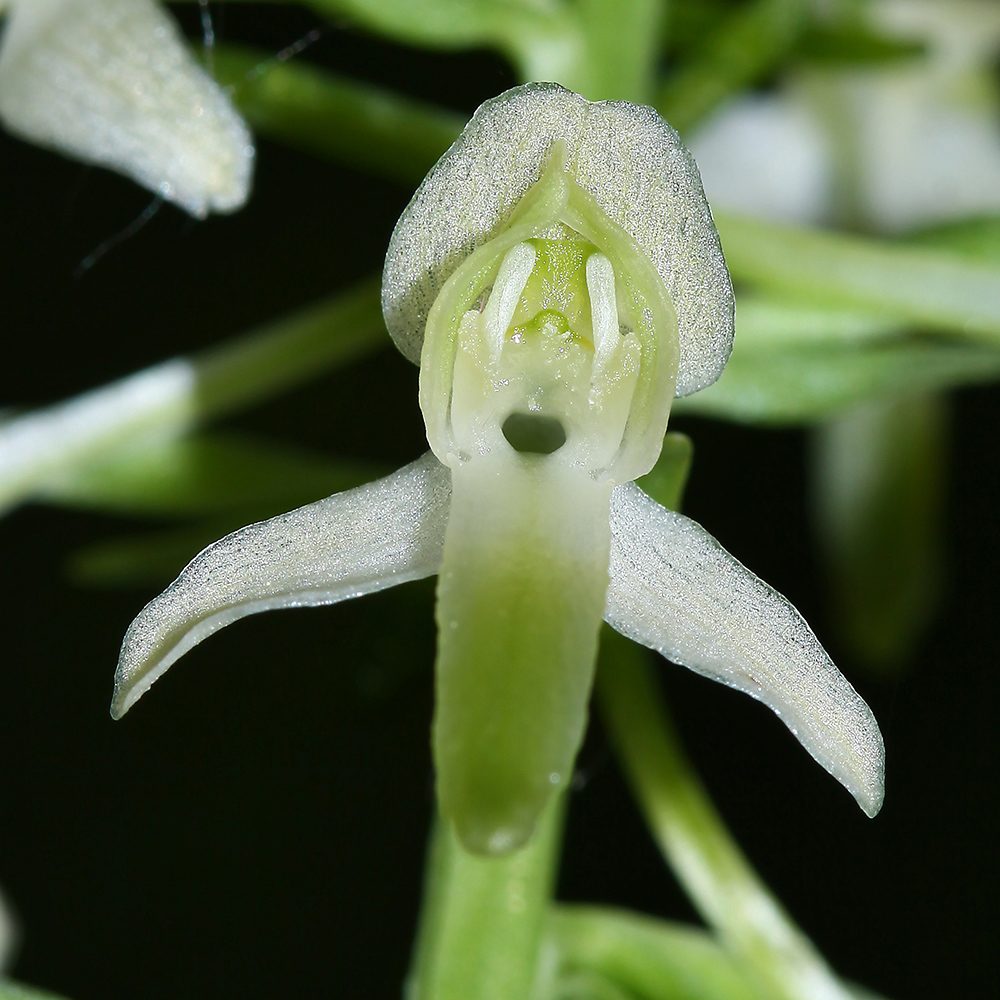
[{"x": 520, "y": 599}]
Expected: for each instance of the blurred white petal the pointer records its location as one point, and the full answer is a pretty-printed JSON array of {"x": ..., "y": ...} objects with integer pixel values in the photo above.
[
  {"x": 114, "y": 82},
  {"x": 928, "y": 130},
  {"x": 765, "y": 155},
  {"x": 893, "y": 146}
]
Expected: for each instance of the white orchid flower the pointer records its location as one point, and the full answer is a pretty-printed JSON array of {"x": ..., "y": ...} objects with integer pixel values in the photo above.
[
  {"x": 559, "y": 277},
  {"x": 113, "y": 82}
]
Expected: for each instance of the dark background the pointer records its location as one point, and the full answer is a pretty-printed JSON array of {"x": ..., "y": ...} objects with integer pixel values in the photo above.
[{"x": 256, "y": 827}]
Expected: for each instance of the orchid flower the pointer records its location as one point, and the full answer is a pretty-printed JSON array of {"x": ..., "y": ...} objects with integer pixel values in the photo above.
[
  {"x": 559, "y": 277},
  {"x": 113, "y": 82}
]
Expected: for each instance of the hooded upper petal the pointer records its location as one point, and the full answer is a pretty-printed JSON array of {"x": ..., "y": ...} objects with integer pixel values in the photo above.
[
  {"x": 352, "y": 543},
  {"x": 113, "y": 82},
  {"x": 625, "y": 156},
  {"x": 675, "y": 589}
]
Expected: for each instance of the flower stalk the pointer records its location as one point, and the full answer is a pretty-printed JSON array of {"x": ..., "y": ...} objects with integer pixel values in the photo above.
[
  {"x": 481, "y": 928},
  {"x": 714, "y": 872}
]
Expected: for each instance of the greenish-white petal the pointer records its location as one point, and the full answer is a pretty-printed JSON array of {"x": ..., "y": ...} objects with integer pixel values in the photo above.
[
  {"x": 350, "y": 544},
  {"x": 675, "y": 589},
  {"x": 623, "y": 155},
  {"x": 113, "y": 82}
]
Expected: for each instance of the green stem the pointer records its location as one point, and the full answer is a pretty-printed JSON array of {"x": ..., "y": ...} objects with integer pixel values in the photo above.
[
  {"x": 710, "y": 866},
  {"x": 650, "y": 958},
  {"x": 742, "y": 50},
  {"x": 169, "y": 398},
  {"x": 320, "y": 112},
  {"x": 482, "y": 924},
  {"x": 272, "y": 359},
  {"x": 621, "y": 41},
  {"x": 935, "y": 288}
]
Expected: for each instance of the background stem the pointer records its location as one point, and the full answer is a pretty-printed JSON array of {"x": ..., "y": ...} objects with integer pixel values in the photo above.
[{"x": 709, "y": 865}]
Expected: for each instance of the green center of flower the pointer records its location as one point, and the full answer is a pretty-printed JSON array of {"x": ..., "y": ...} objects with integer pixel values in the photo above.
[
  {"x": 560, "y": 315},
  {"x": 547, "y": 361}
]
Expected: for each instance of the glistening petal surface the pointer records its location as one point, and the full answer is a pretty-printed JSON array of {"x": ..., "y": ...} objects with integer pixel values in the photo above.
[
  {"x": 352, "y": 543},
  {"x": 675, "y": 589},
  {"x": 114, "y": 82},
  {"x": 624, "y": 155}
]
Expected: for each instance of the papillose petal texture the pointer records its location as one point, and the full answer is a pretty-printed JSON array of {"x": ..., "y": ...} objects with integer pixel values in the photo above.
[
  {"x": 113, "y": 82},
  {"x": 350, "y": 544},
  {"x": 675, "y": 589},
  {"x": 623, "y": 155}
]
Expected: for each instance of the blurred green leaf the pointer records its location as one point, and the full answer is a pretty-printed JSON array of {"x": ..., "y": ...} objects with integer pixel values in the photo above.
[
  {"x": 852, "y": 43},
  {"x": 447, "y": 23},
  {"x": 204, "y": 474},
  {"x": 589, "y": 985},
  {"x": 978, "y": 239},
  {"x": 665, "y": 482},
  {"x": 151, "y": 559},
  {"x": 10, "y": 990},
  {"x": 878, "y": 494},
  {"x": 781, "y": 323},
  {"x": 804, "y": 384},
  {"x": 540, "y": 37},
  {"x": 651, "y": 959},
  {"x": 237, "y": 479},
  {"x": 689, "y": 22},
  {"x": 739, "y": 51},
  {"x": 622, "y": 41},
  {"x": 933, "y": 287},
  {"x": 320, "y": 112}
]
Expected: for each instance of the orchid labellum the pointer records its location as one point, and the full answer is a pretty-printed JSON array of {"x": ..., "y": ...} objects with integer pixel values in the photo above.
[
  {"x": 113, "y": 82},
  {"x": 559, "y": 278}
]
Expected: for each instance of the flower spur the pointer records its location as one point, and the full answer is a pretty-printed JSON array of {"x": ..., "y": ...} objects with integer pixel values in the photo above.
[{"x": 559, "y": 278}]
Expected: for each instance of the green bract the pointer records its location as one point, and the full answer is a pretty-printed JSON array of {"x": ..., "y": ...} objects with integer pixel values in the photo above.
[{"x": 559, "y": 277}]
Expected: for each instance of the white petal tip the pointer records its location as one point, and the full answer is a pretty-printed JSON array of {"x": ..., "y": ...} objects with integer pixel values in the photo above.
[
  {"x": 114, "y": 83},
  {"x": 871, "y": 793}
]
